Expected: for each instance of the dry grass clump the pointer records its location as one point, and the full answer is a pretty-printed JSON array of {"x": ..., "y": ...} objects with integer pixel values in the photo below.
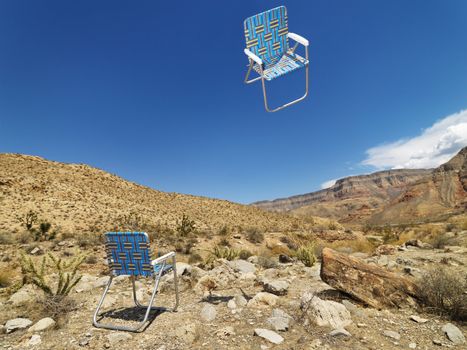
[
  {"x": 244, "y": 254},
  {"x": 254, "y": 235},
  {"x": 87, "y": 240},
  {"x": 353, "y": 246},
  {"x": 443, "y": 290},
  {"x": 306, "y": 254},
  {"x": 6, "y": 278},
  {"x": 5, "y": 238},
  {"x": 195, "y": 258}
]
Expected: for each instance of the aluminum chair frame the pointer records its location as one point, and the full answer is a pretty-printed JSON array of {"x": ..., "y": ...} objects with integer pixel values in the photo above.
[
  {"x": 161, "y": 261},
  {"x": 254, "y": 59}
]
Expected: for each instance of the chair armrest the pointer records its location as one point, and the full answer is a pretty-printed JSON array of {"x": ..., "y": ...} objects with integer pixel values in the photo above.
[
  {"x": 298, "y": 39},
  {"x": 253, "y": 56},
  {"x": 162, "y": 258}
]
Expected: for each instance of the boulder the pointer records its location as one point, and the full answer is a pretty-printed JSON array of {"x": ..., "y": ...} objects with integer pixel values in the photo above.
[
  {"x": 240, "y": 301},
  {"x": 279, "y": 320},
  {"x": 208, "y": 313},
  {"x": 276, "y": 287},
  {"x": 17, "y": 323},
  {"x": 385, "y": 249},
  {"x": 325, "y": 312},
  {"x": 183, "y": 269},
  {"x": 453, "y": 333},
  {"x": 263, "y": 299},
  {"x": 34, "y": 340},
  {"x": 392, "y": 334},
  {"x": 26, "y": 294},
  {"x": 242, "y": 266},
  {"x": 269, "y": 335},
  {"x": 42, "y": 325},
  {"x": 370, "y": 284}
]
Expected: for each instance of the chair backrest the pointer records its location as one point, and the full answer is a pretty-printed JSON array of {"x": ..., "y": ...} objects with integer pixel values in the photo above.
[
  {"x": 266, "y": 33},
  {"x": 128, "y": 253}
]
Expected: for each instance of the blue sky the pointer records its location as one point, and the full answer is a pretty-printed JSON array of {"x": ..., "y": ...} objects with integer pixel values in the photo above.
[{"x": 153, "y": 91}]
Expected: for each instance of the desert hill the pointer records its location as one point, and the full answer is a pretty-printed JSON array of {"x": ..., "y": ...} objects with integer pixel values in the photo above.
[
  {"x": 80, "y": 198},
  {"x": 393, "y": 196}
]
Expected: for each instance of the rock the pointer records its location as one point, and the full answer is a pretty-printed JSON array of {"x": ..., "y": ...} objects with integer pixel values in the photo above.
[
  {"x": 231, "y": 304},
  {"x": 373, "y": 285},
  {"x": 206, "y": 283},
  {"x": 413, "y": 243},
  {"x": 285, "y": 259},
  {"x": 208, "y": 313},
  {"x": 240, "y": 300},
  {"x": 263, "y": 299},
  {"x": 279, "y": 320},
  {"x": 109, "y": 301},
  {"x": 385, "y": 249},
  {"x": 242, "y": 266},
  {"x": 25, "y": 295},
  {"x": 269, "y": 335},
  {"x": 418, "y": 319},
  {"x": 276, "y": 287},
  {"x": 34, "y": 340},
  {"x": 350, "y": 306},
  {"x": 412, "y": 345},
  {"x": 17, "y": 323},
  {"x": 341, "y": 332},
  {"x": 36, "y": 251},
  {"x": 118, "y": 337},
  {"x": 392, "y": 334},
  {"x": 183, "y": 269},
  {"x": 42, "y": 325},
  {"x": 101, "y": 282},
  {"x": 187, "y": 333},
  {"x": 453, "y": 333},
  {"x": 325, "y": 312},
  {"x": 437, "y": 342}
]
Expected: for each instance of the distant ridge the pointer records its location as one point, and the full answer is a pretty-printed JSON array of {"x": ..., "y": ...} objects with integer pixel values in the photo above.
[{"x": 392, "y": 196}]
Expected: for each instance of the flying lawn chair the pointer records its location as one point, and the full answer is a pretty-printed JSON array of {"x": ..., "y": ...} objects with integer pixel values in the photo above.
[
  {"x": 128, "y": 254},
  {"x": 267, "y": 47}
]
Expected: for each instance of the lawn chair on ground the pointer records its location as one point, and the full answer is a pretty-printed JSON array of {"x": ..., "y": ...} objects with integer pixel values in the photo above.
[
  {"x": 267, "y": 48},
  {"x": 128, "y": 254}
]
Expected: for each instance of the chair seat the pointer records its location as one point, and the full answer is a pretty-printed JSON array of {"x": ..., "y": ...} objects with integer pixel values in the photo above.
[
  {"x": 167, "y": 268},
  {"x": 275, "y": 67}
]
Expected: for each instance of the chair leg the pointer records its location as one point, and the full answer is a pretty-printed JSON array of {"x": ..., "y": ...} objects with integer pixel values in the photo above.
[
  {"x": 174, "y": 262},
  {"x": 124, "y": 328},
  {"x": 266, "y": 105},
  {"x": 248, "y": 74}
]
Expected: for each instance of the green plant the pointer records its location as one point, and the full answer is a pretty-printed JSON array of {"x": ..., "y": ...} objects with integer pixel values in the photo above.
[
  {"x": 185, "y": 226},
  {"x": 41, "y": 234},
  {"x": 224, "y": 242},
  {"x": 224, "y": 230},
  {"x": 5, "y": 278},
  {"x": 439, "y": 241},
  {"x": 224, "y": 253},
  {"x": 443, "y": 290},
  {"x": 65, "y": 271},
  {"x": 306, "y": 254},
  {"x": 254, "y": 235},
  {"x": 244, "y": 254},
  {"x": 131, "y": 221}
]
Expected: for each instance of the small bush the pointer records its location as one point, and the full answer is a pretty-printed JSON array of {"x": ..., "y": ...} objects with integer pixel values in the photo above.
[
  {"x": 185, "y": 226},
  {"x": 306, "y": 255},
  {"x": 290, "y": 242},
  {"x": 23, "y": 237},
  {"x": 6, "y": 277},
  {"x": 439, "y": 241},
  {"x": 244, "y": 254},
  {"x": 28, "y": 219},
  {"x": 224, "y": 253},
  {"x": 224, "y": 230},
  {"x": 332, "y": 226},
  {"x": 254, "y": 235},
  {"x": 224, "y": 242},
  {"x": 267, "y": 262},
  {"x": 91, "y": 260},
  {"x": 195, "y": 258},
  {"x": 5, "y": 238},
  {"x": 87, "y": 240},
  {"x": 443, "y": 290}
]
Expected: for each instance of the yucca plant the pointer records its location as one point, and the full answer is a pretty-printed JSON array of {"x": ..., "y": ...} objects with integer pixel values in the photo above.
[
  {"x": 306, "y": 254},
  {"x": 227, "y": 253}
]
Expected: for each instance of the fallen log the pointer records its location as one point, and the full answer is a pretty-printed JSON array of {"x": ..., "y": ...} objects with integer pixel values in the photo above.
[{"x": 370, "y": 284}]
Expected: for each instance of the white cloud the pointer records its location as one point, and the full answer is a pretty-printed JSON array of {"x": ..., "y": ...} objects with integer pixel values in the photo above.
[
  {"x": 328, "y": 184},
  {"x": 433, "y": 147}
]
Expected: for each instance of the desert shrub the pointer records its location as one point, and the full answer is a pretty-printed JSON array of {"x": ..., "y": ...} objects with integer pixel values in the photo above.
[
  {"x": 443, "y": 290},
  {"x": 332, "y": 226},
  {"x": 280, "y": 249},
  {"x": 23, "y": 237},
  {"x": 86, "y": 240},
  {"x": 352, "y": 246},
  {"x": 450, "y": 227},
  {"x": 195, "y": 258},
  {"x": 254, "y": 235},
  {"x": 224, "y": 242},
  {"x": 290, "y": 242},
  {"x": 28, "y": 219},
  {"x": 439, "y": 241},
  {"x": 42, "y": 233},
  {"x": 267, "y": 262},
  {"x": 224, "y": 230},
  {"x": 67, "y": 235},
  {"x": 65, "y": 271},
  {"x": 91, "y": 260},
  {"x": 244, "y": 254},
  {"x": 6, "y": 277},
  {"x": 131, "y": 221},
  {"x": 227, "y": 253},
  {"x": 306, "y": 255},
  {"x": 5, "y": 238},
  {"x": 185, "y": 226}
]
